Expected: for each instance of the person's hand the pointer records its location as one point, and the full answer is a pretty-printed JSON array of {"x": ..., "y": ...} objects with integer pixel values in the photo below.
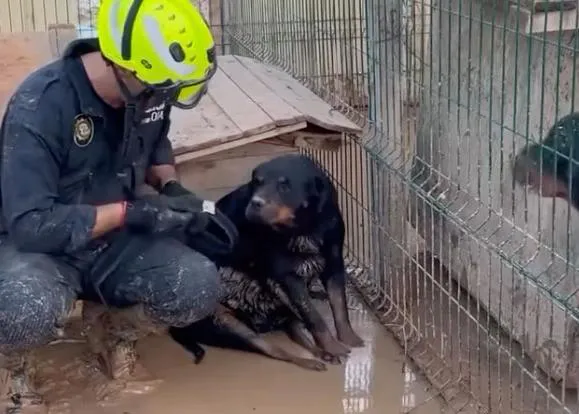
[
  {"x": 155, "y": 214},
  {"x": 210, "y": 232},
  {"x": 184, "y": 200}
]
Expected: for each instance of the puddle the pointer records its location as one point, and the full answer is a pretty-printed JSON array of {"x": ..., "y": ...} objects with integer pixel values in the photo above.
[{"x": 375, "y": 379}]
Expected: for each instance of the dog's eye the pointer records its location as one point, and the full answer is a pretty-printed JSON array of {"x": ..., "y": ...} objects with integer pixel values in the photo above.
[
  {"x": 283, "y": 184},
  {"x": 258, "y": 180}
]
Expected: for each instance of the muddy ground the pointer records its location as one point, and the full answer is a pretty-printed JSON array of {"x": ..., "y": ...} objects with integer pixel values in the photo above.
[{"x": 375, "y": 379}]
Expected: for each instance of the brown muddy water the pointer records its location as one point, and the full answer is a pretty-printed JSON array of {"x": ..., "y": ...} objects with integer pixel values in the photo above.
[{"x": 375, "y": 379}]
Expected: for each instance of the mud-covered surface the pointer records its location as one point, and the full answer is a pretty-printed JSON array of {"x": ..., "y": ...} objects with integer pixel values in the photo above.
[
  {"x": 21, "y": 54},
  {"x": 375, "y": 379}
]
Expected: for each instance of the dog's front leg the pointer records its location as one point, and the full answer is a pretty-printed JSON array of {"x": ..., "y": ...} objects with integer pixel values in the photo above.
[
  {"x": 294, "y": 292},
  {"x": 334, "y": 279}
]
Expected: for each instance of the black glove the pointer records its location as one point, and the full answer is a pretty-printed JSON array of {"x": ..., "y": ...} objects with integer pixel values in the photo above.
[
  {"x": 210, "y": 232},
  {"x": 184, "y": 200},
  {"x": 155, "y": 214}
]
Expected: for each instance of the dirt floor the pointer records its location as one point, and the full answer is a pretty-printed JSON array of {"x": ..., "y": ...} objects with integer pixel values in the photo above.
[
  {"x": 375, "y": 379},
  {"x": 21, "y": 53}
]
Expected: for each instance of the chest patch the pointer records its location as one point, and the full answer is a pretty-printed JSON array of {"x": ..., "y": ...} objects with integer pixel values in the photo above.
[
  {"x": 83, "y": 130},
  {"x": 154, "y": 114}
]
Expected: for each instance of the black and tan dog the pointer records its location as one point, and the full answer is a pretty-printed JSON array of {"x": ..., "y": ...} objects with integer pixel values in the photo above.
[
  {"x": 291, "y": 234},
  {"x": 551, "y": 167}
]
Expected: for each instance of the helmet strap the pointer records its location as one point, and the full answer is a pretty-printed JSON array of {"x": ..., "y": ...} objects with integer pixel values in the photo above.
[
  {"x": 125, "y": 91},
  {"x": 129, "y": 145},
  {"x": 133, "y": 108}
]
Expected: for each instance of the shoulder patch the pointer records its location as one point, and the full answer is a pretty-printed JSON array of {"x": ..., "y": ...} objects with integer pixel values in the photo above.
[{"x": 83, "y": 130}]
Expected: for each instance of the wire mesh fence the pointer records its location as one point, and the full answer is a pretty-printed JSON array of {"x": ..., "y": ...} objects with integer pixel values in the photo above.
[
  {"x": 470, "y": 269},
  {"x": 467, "y": 267}
]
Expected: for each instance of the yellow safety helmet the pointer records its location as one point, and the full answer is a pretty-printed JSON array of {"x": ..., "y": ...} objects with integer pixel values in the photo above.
[{"x": 166, "y": 44}]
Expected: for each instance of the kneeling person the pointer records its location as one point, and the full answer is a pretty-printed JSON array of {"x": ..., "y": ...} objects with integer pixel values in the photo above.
[{"x": 79, "y": 136}]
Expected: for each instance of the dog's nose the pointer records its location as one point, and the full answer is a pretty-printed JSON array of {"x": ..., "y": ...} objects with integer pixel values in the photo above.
[{"x": 257, "y": 202}]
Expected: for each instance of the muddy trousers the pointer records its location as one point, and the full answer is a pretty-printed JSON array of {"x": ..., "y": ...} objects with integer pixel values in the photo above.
[{"x": 173, "y": 285}]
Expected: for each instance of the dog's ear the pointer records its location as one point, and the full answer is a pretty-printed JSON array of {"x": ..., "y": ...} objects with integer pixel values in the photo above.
[{"x": 233, "y": 204}]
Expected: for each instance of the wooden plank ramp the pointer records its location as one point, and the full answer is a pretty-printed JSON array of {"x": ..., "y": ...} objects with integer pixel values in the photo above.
[{"x": 248, "y": 102}]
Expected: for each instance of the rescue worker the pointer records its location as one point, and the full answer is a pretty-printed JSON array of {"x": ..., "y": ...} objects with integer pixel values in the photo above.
[{"x": 79, "y": 137}]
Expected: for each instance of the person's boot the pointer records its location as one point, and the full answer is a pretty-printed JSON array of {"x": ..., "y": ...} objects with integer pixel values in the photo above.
[
  {"x": 16, "y": 390},
  {"x": 112, "y": 335}
]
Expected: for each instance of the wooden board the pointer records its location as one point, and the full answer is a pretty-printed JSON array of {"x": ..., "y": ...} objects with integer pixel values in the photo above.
[
  {"x": 214, "y": 175},
  {"x": 314, "y": 109},
  {"x": 282, "y": 113},
  {"x": 202, "y": 127},
  {"x": 188, "y": 156},
  {"x": 243, "y": 111},
  {"x": 59, "y": 36},
  {"x": 248, "y": 102}
]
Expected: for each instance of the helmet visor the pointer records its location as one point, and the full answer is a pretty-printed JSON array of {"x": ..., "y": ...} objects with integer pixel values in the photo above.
[
  {"x": 184, "y": 94},
  {"x": 189, "y": 96}
]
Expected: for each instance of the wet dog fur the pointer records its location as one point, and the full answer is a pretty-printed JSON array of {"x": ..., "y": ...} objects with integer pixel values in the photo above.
[{"x": 291, "y": 235}]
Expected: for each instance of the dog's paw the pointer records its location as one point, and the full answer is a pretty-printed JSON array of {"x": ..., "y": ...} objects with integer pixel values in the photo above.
[
  {"x": 351, "y": 339},
  {"x": 333, "y": 352},
  {"x": 331, "y": 359},
  {"x": 336, "y": 348},
  {"x": 311, "y": 364},
  {"x": 198, "y": 354}
]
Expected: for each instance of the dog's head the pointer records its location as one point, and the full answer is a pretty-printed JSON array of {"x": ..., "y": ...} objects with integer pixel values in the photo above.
[
  {"x": 287, "y": 193},
  {"x": 551, "y": 168}
]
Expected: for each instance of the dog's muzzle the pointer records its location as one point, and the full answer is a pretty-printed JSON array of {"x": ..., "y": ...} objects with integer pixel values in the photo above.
[{"x": 269, "y": 212}]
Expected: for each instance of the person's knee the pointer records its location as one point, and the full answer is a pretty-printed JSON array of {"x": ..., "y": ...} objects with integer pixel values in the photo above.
[
  {"x": 32, "y": 307},
  {"x": 192, "y": 290}
]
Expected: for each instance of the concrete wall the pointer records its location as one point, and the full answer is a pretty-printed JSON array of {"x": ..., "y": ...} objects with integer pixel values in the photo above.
[{"x": 487, "y": 91}]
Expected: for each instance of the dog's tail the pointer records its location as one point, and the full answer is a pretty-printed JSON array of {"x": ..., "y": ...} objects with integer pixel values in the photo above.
[{"x": 207, "y": 332}]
